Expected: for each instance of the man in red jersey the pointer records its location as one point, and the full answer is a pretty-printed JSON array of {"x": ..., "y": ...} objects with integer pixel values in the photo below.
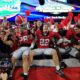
[
  {"x": 44, "y": 42},
  {"x": 25, "y": 40},
  {"x": 66, "y": 41}
]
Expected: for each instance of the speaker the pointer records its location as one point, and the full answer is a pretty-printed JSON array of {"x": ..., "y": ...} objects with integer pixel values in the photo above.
[{"x": 41, "y": 2}]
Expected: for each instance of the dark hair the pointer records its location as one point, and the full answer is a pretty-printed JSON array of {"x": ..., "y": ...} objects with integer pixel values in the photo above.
[
  {"x": 78, "y": 26},
  {"x": 9, "y": 37},
  {"x": 78, "y": 35},
  {"x": 62, "y": 32}
]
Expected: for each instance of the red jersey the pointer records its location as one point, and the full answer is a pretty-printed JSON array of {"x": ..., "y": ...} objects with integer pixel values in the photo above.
[
  {"x": 67, "y": 42},
  {"x": 77, "y": 37},
  {"x": 25, "y": 39},
  {"x": 69, "y": 34},
  {"x": 44, "y": 41},
  {"x": 15, "y": 43}
]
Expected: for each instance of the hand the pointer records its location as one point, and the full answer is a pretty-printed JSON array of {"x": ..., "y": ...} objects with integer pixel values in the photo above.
[
  {"x": 77, "y": 46},
  {"x": 60, "y": 41},
  {"x": 66, "y": 40},
  {"x": 4, "y": 76}
]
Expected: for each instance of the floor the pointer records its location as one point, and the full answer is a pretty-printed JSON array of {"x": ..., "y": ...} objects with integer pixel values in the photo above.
[{"x": 47, "y": 72}]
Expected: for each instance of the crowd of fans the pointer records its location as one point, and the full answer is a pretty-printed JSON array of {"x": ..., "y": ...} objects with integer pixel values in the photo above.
[{"x": 29, "y": 39}]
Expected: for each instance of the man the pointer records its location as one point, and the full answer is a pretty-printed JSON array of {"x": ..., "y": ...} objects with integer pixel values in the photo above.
[
  {"x": 66, "y": 41},
  {"x": 25, "y": 40},
  {"x": 43, "y": 42}
]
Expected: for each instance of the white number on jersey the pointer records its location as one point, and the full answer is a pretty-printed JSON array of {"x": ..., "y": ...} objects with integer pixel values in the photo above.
[
  {"x": 24, "y": 38},
  {"x": 44, "y": 42}
]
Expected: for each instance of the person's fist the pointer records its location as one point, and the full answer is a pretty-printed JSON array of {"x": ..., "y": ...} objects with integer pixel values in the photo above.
[{"x": 4, "y": 76}]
